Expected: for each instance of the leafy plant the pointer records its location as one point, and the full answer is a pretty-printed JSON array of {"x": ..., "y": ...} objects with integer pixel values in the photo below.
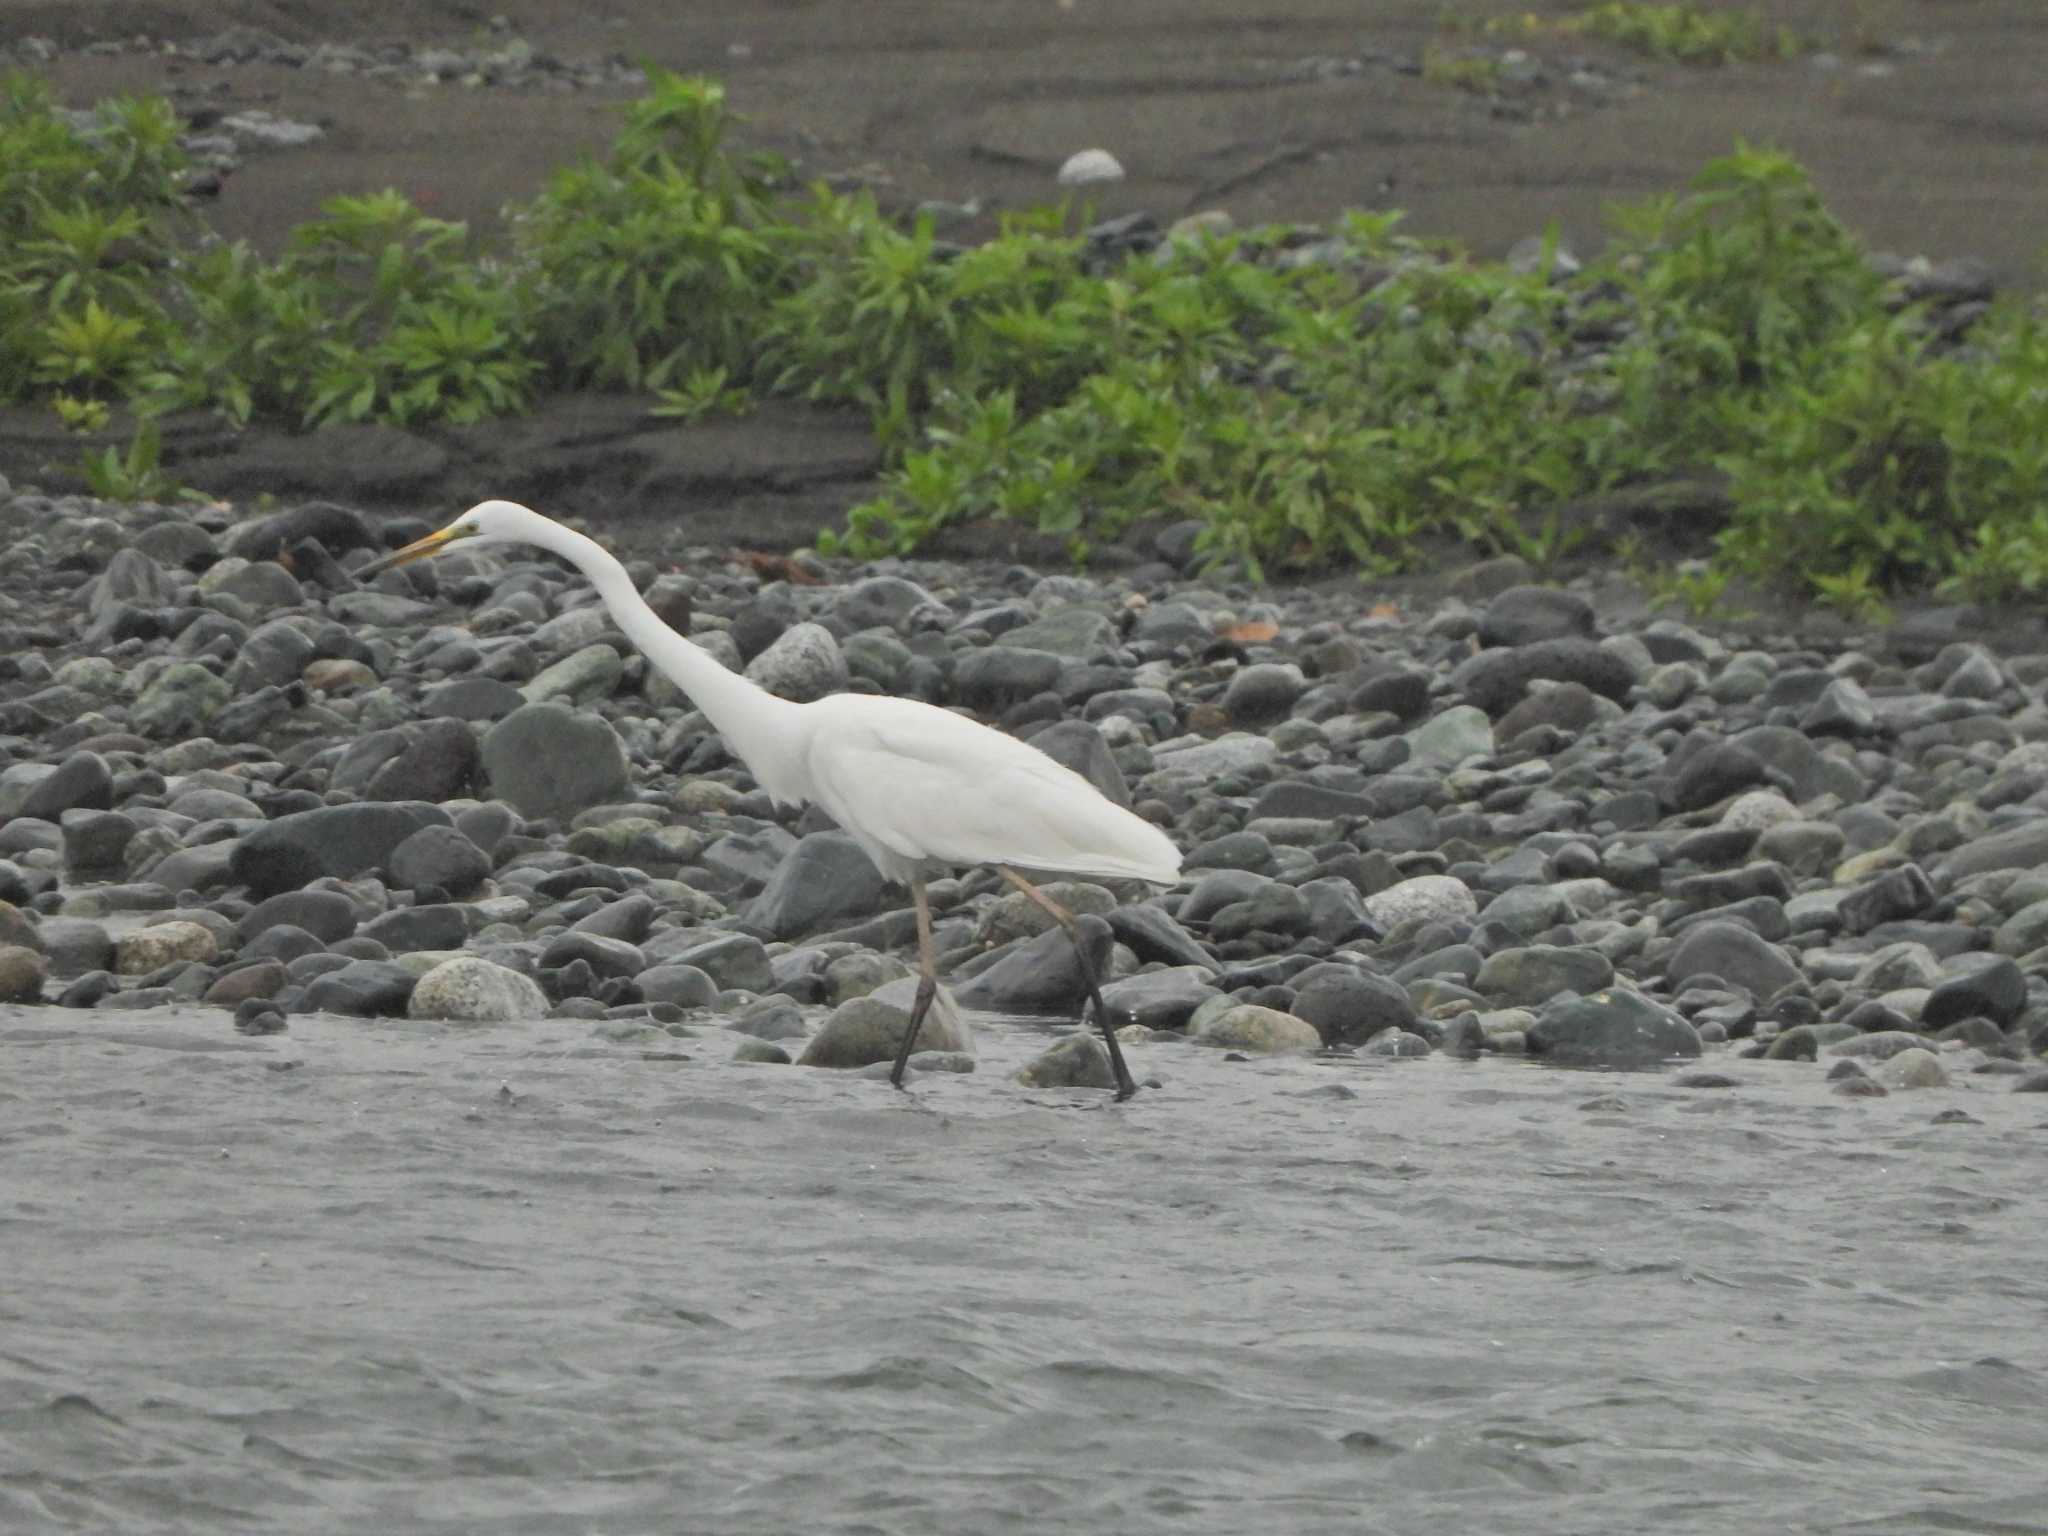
[
  {"x": 662, "y": 258},
  {"x": 134, "y": 475}
]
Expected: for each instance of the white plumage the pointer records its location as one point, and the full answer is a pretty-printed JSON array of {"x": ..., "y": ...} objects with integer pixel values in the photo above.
[{"x": 920, "y": 788}]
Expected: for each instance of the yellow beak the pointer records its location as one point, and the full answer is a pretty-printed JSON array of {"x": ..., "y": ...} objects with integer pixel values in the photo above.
[{"x": 419, "y": 549}]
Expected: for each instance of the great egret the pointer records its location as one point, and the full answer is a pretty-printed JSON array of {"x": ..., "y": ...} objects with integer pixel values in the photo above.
[{"x": 920, "y": 788}]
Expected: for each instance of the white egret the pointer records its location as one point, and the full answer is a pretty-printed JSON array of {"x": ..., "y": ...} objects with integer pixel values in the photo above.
[{"x": 920, "y": 788}]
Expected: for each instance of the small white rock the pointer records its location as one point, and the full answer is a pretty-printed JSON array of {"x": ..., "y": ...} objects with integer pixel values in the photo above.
[{"x": 1090, "y": 167}]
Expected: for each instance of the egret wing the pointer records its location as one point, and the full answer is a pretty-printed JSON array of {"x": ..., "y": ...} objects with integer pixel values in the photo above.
[{"x": 931, "y": 786}]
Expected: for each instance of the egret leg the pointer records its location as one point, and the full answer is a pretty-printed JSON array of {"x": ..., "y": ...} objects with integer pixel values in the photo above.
[
  {"x": 927, "y": 981},
  {"x": 1125, "y": 1084}
]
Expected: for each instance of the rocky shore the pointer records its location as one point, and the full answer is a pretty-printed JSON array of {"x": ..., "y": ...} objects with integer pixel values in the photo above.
[{"x": 1512, "y": 818}]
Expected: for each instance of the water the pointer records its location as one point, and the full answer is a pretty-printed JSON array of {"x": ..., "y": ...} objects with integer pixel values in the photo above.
[{"x": 516, "y": 1280}]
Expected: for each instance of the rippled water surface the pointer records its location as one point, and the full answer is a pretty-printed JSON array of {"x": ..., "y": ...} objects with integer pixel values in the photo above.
[{"x": 515, "y": 1280}]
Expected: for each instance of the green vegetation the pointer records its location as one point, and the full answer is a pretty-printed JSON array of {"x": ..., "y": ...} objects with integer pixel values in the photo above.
[
  {"x": 1689, "y": 33},
  {"x": 1316, "y": 400},
  {"x": 1684, "y": 32}
]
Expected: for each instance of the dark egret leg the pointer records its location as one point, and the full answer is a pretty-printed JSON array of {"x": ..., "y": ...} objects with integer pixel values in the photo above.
[
  {"x": 1125, "y": 1084},
  {"x": 927, "y": 981}
]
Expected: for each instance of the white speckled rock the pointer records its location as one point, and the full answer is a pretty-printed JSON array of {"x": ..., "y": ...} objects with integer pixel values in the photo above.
[
  {"x": 804, "y": 663},
  {"x": 146, "y": 949},
  {"x": 1760, "y": 808},
  {"x": 476, "y": 991},
  {"x": 1434, "y": 897}
]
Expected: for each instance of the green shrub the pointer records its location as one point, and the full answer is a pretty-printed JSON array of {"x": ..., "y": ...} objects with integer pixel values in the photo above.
[{"x": 661, "y": 259}]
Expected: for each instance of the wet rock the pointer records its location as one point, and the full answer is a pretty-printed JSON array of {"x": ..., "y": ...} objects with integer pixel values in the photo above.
[
  {"x": 825, "y": 882},
  {"x": 161, "y": 944},
  {"x": 75, "y": 945},
  {"x": 1912, "y": 1068},
  {"x": 1991, "y": 988},
  {"x": 1162, "y": 999},
  {"x": 439, "y": 858},
  {"x": 179, "y": 702},
  {"x": 1348, "y": 1006},
  {"x": 732, "y": 960},
  {"x": 1262, "y": 693},
  {"x": 1538, "y": 972},
  {"x": 1079, "y": 745},
  {"x": 1079, "y": 1061},
  {"x": 1264, "y": 1031},
  {"x": 1897, "y": 893},
  {"x": 81, "y": 782},
  {"x": 328, "y": 915},
  {"x": 264, "y": 979},
  {"x": 1524, "y": 615},
  {"x": 687, "y": 986},
  {"x": 1451, "y": 737},
  {"x": 1495, "y": 680},
  {"x": 22, "y": 971},
  {"x": 1734, "y": 953},
  {"x": 432, "y": 761},
  {"x": 870, "y": 1029},
  {"x": 1712, "y": 774},
  {"x": 1425, "y": 898},
  {"x": 408, "y": 930},
  {"x": 338, "y": 840},
  {"x": 1615, "y": 1028},
  {"x": 550, "y": 760},
  {"x": 802, "y": 664},
  {"x": 95, "y": 843},
  {"x": 470, "y": 989},
  {"x": 1041, "y": 975},
  {"x": 2021, "y": 846}
]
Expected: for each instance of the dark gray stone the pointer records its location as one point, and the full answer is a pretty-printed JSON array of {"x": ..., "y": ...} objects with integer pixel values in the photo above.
[
  {"x": 1078, "y": 1061},
  {"x": 1735, "y": 954},
  {"x": 1536, "y": 973},
  {"x": 439, "y": 858},
  {"x": 1495, "y": 680},
  {"x": 471, "y": 698},
  {"x": 825, "y": 882},
  {"x": 1263, "y": 692},
  {"x": 606, "y": 957},
  {"x": 1078, "y": 744},
  {"x": 362, "y": 988},
  {"x": 1995, "y": 989},
  {"x": 283, "y": 943},
  {"x": 82, "y": 782},
  {"x": 549, "y": 760},
  {"x": 1040, "y": 975},
  {"x": 95, "y": 843},
  {"x": 1712, "y": 774},
  {"x": 1151, "y": 934},
  {"x": 434, "y": 761},
  {"x": 339, "y": 840},
  {"x": 1614, "y": 1028},
  {"x": 1347, "y": 1005},
  {"x": 328, "y": 915},
  {"x": 1160, "y": 999},
  {"x": 406, "y": 930},
  {"x": 1000, "y": 677},
  {"x": 1895, "y": 894},
  {"x": 1524, "y": 615}
]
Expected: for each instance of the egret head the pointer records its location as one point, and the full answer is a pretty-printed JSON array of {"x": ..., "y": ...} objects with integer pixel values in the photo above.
[{"x": 488, "y": 522}]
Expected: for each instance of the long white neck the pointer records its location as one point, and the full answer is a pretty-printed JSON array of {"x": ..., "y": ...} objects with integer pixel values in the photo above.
[{"x": 764, "y": 731}]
